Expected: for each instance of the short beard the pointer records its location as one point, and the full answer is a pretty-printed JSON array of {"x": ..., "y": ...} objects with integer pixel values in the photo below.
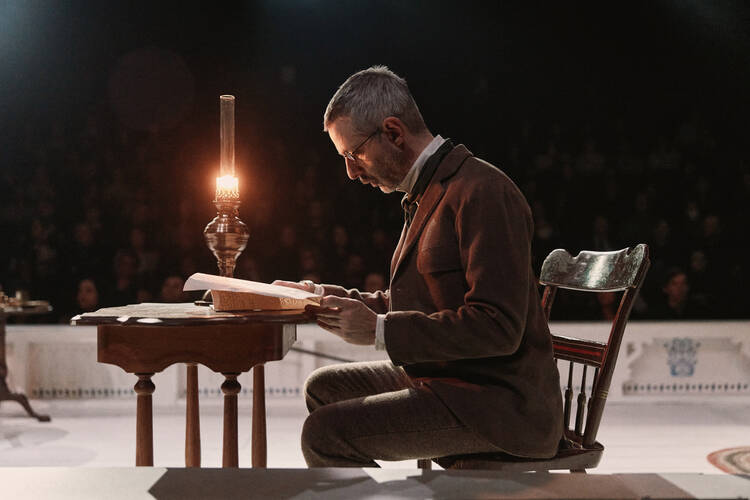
[{"x": 393, "y": 165}]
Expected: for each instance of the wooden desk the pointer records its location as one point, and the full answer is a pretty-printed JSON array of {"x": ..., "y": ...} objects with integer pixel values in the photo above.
[
  {"x": 28, "y": 309},
  {"x": 144, "y": 339}
]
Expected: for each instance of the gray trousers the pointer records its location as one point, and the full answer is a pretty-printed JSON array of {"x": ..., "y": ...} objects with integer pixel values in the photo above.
[{"x": 360, "y": 412}]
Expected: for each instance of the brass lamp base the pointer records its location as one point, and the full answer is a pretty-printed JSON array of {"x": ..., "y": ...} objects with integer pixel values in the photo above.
[{"x": 226, "y": 235}]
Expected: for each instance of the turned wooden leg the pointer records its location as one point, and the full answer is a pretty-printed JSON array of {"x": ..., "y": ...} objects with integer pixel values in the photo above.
[
  {"x": 144, "y": 424},
  {"x": 192, "y": 419},
  {"x": 259, "y": 417},
  {"x": 230, "y": 388}
]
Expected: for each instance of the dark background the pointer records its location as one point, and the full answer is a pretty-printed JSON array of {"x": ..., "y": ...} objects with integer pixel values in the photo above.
[{"x": 109, "y": 119}]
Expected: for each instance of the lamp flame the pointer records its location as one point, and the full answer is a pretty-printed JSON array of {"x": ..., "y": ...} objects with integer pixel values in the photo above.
[{"x": 227, "y": 188}]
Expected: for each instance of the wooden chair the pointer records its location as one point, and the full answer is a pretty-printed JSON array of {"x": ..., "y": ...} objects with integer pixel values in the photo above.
[{"x": 622, "y": 270}]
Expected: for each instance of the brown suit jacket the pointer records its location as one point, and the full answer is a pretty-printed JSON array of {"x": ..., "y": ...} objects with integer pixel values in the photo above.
[{"x": 463, "y": 309}]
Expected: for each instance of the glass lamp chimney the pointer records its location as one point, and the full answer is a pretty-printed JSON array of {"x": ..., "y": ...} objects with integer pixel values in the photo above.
[{"x": 226, "y": 136}]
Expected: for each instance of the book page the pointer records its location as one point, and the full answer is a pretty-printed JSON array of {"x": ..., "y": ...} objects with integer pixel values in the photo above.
[{"x": 200, "y": 281}]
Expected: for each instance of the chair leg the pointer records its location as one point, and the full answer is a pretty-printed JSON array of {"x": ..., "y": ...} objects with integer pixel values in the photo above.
[{"x": 424, "y": 463}]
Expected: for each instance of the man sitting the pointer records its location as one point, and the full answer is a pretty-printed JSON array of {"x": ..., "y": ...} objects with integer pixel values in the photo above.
[{"x": 471, "y": 367}]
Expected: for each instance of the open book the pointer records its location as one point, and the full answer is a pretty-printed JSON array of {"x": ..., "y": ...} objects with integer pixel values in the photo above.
[{"x": 232, "y": 294}]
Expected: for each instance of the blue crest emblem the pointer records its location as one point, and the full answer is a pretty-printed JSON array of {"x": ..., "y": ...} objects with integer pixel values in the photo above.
[{"x": 681, "y": 356}]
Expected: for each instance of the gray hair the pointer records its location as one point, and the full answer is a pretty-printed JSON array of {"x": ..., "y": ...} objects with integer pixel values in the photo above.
[{"x": 370, "y": 96}]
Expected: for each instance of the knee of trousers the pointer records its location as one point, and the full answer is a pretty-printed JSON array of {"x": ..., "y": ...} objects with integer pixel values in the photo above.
[
  {"x": 318, "y": 383},
  {"x": 318, "y": 432}
]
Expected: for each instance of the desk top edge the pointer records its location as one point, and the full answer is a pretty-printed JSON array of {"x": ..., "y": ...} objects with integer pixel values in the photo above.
[{"x": 183, "y": 315}]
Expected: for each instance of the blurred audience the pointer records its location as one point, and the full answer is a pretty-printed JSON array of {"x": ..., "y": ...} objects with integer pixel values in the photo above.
[
  {"x": 79, "y": 196},
  {"x": 171, "y": 290}
]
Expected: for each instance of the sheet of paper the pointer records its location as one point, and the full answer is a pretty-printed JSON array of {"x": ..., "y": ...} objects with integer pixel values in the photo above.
[
  {"x": 200, "y": 281},
  {"x": 158, "y": 310}
]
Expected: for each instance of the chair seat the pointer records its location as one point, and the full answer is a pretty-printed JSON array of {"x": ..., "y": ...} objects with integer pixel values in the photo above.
[{"x": 569, "y": 458}]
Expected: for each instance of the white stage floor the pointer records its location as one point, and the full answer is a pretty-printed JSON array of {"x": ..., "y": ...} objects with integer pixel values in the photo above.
[{"x": 638, "y": 437}]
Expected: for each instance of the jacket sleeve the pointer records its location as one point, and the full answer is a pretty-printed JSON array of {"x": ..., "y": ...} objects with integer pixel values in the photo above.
[
  {"x": 377, "y": 301},
  {"x": 493, "y": 228}
]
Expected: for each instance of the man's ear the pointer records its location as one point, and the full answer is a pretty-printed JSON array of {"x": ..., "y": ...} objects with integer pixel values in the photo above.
[{"x": 394, "y": 130}]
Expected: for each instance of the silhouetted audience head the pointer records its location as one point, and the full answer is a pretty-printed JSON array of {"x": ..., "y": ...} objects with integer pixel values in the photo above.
[
  {"x": 87, "y": 296},
  {"x": 677, "y": 302},
  {"x": 125, "y": 265},
  {"x": 82, "y": 235},
  {"x": 171, "y": 290}
]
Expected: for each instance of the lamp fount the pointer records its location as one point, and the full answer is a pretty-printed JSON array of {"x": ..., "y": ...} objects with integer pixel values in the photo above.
[{"x": 226, "y": 236}]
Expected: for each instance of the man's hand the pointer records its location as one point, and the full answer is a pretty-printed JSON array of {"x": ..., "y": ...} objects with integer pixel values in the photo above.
[
  {"x": 350, "y": 319},
  {"x": 306, "y": 285}
]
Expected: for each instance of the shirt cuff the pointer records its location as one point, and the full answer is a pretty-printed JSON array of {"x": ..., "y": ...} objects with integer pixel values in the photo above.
[
  {"x": 380, "y": 333},
  {"x": 319, "y": 290}
]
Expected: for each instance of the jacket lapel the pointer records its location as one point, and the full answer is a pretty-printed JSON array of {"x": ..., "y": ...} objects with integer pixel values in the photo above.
[
  {"x": 397, "y": 252},
  {"x": 433, "y": 194}
]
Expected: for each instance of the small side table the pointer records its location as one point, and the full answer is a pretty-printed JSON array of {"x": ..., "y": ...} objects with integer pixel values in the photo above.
[
  {"x": 28, "y": 309},
  {"x": 143, "y": 339}
]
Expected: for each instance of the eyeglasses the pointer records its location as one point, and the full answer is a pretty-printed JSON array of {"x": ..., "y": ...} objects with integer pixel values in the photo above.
[{"x": 350, "y": 155}]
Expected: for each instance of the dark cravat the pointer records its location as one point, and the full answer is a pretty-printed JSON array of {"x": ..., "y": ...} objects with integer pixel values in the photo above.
[{"x": 410, "y": 201}]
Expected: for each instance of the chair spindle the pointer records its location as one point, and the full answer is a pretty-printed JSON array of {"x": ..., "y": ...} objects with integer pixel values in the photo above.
[
  {"x": 581, "y": 404},
  {"x": 568, "y": 397},
  {"x": 593, "y": 388}
]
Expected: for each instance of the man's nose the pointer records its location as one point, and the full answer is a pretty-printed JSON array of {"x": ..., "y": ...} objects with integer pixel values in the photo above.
[{"x": 352, "y": 169}]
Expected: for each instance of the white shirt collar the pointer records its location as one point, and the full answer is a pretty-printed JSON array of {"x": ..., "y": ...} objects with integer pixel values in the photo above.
[{"x": 411, "y": 177}]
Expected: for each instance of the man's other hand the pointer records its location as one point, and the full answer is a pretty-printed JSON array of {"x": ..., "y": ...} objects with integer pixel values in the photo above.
[
  {"x": 306, "y": 285},
  {"x": 350, "y": 319}
]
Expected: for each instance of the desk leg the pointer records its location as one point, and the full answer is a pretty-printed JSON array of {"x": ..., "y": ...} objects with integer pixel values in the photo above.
[
  {"x": 5, "y": 392},
  {"x": 144, "y": 423},
  {"x": 259, "y": 417},
  {"x": 192, "y": 419},
  {"x": 230, "y": 388}
]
